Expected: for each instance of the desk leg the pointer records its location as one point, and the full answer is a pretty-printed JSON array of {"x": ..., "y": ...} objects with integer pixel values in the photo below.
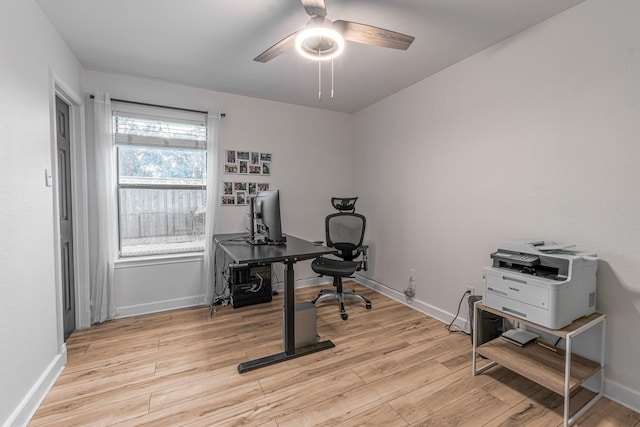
[
  {"x": 290, "y": 350},
  {"x": 289, "y": 310}
]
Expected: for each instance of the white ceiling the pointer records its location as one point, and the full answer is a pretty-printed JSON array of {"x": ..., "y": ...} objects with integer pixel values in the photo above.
[{"x": 211, "y": 43}]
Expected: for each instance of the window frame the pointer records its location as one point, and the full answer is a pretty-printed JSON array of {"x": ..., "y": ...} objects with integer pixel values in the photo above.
[{"x": 155, "y": 142}]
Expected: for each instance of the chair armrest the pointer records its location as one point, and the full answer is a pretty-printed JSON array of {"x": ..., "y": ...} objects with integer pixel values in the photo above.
[{"x": 365, "y": 259}]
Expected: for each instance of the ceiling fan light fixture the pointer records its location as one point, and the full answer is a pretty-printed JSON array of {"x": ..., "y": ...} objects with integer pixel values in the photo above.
[{"x": 319, "y": 43}]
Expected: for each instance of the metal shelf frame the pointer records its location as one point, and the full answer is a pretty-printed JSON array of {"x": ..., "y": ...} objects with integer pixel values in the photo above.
[{"x": 519, "y": 355}]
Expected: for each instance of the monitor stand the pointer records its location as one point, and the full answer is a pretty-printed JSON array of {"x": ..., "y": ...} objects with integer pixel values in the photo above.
[
  {"x": 258, "y": 242},
  {"x": 253, "y": 235}
]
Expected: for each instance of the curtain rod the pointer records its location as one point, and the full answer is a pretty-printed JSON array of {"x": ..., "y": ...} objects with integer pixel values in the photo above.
[{"x": 159, "y": 106}]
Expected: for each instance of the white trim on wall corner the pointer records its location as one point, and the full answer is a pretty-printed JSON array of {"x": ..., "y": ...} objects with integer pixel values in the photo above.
[{"x": 30, "y": 403}]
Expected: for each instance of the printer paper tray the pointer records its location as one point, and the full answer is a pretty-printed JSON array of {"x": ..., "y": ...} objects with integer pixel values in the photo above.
[{"x": 517, "y": 288}]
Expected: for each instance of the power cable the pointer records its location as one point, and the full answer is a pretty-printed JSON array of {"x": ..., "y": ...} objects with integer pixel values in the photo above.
[{"x": 451, "y": 325}]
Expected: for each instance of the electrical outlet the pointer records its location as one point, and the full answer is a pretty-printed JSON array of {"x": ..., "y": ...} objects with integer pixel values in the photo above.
[{"x": 472, "y": 290}]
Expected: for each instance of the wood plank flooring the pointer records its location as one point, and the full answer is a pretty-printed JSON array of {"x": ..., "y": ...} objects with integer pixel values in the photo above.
[{"x": 391, "y": 366}]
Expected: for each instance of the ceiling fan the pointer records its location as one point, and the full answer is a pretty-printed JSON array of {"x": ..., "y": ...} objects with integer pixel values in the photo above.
[{"x": 323, "y": 39}]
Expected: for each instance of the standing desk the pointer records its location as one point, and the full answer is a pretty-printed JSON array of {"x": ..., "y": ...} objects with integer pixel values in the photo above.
[{"x": 241, "y": 252}]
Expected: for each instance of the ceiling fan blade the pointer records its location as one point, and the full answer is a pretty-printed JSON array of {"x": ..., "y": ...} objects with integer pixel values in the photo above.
[
  {"x": 368, "y": 34},
  {"x": 315, "y": 7},
  {"x": 282, "y": 46}
]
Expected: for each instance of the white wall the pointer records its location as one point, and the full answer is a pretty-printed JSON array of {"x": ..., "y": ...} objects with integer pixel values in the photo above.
[
  {"x": 312, "y": 158},
  {"x": 154, "y": 285},
  {"x": 29, "y": 335},
  {"x": 537, "y": 136}
]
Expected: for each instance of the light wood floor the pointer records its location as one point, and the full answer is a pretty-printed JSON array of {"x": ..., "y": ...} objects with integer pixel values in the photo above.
[{"x": 392, "y": 366}]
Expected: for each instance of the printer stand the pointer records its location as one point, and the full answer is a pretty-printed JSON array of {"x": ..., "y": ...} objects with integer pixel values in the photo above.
[{"x": 553, "y": 368}]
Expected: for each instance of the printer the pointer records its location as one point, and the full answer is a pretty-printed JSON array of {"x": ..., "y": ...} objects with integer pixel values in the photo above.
[{"x": 541, "y": 281}]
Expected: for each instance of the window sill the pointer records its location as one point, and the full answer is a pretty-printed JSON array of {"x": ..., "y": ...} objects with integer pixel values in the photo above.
[{"x": 148, "y": 260}]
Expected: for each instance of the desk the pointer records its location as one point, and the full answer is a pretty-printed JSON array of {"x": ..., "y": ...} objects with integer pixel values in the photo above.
[{"x": 295, "y": 250}]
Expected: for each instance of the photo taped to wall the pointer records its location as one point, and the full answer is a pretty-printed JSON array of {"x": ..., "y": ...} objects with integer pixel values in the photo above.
[
  {"x": 227, "y": 188},
  {"x": 255, "y": 158},
  {"x": 231, "y": 156},
  {"x": 244, "y": 167}
]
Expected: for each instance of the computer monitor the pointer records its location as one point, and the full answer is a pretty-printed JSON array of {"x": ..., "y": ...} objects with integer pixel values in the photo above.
[{"x": 266, "y": 209}]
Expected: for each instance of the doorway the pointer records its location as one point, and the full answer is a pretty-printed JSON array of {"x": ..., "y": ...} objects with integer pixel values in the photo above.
[{"x": 67, "y": 266}]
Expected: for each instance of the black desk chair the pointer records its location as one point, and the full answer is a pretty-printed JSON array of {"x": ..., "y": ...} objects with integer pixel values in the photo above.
[{"x": 344, "y": 232}]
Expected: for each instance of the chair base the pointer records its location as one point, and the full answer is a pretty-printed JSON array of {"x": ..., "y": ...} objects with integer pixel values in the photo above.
[{"x": 341, "y": 295}]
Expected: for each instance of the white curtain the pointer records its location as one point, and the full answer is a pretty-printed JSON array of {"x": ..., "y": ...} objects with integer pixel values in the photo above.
[
  {"x": 213, "y": 181},
  {"x": 102, "y": 288}
]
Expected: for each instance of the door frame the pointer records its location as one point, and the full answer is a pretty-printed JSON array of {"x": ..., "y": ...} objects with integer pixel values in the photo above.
[{"x": 57, "y": 87}]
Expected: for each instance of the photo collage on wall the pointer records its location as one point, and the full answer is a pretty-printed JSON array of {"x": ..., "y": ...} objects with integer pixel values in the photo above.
[
  {"x": 250, "y": 163},
  {"x": 239, "y": 193}
]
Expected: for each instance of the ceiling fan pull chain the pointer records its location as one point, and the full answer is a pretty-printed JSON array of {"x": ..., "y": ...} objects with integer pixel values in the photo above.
[
  {"x": 319, "y": 78},
  {"x": 332, "y": 79}
]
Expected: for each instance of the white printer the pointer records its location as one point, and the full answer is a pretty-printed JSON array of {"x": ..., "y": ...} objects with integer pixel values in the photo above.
[{"x": 542, "y": 282}]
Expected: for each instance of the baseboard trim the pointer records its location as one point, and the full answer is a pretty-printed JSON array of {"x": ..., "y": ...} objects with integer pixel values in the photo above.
[
  {"x": 612, "y": 390},
  {"x": 158, "y": 306},
  {"x": 421, "y": 306},
  {"x": 30, "y": 403},
  {"x": 313, "y": 281},
  {"x": 303, "y": 283},
  {"x": 622, "y": 395}
]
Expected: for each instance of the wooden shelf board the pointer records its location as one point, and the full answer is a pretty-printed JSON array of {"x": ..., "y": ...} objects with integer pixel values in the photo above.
[{"x": 539, "y": 364}]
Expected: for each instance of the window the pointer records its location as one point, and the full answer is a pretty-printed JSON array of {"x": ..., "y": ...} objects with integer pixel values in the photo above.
[{"x": 161, "y": 180}]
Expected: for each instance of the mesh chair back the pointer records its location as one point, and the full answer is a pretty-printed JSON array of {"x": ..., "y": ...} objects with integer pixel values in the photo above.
[{"x": 345, "y": 232}]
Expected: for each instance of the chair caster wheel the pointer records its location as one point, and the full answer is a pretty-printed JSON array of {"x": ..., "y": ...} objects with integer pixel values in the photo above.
[
  {"x": 368, "y": 306},
  {"x": 344, "y": 316}
]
